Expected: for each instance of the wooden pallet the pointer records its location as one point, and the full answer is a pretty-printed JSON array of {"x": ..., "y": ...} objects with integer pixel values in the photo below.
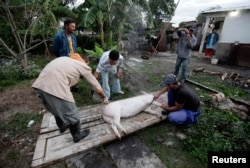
[{"x": 52, "y": 146}]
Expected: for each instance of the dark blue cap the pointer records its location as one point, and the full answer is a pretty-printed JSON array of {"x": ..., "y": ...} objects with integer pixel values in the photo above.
[{"x": 169, "y": 79}]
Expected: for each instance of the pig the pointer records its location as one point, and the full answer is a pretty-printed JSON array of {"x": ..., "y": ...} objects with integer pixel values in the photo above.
[{"x": 114, "y": 111}]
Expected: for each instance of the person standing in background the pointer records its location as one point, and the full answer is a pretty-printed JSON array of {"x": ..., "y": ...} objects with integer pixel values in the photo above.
[
  {"x": 65, "y": 42},
  {"x": 211, "y": 40},
  {"x": 187, "y": 40}
]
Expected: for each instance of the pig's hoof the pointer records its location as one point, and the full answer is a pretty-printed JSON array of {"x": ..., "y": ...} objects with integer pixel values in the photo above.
[{"x": 124, "y": 132}]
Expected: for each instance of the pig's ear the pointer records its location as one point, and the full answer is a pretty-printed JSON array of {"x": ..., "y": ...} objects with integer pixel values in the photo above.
[{"x": 143, "y": 92}]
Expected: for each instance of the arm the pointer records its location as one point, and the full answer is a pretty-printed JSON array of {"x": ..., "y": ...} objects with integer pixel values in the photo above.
[
  {"x": 119, "y": 66},
  {"x": 184, "y": 29},
  {"x": 181, "y": 31},
  {"x": 176, "y": 107},
  {"x": 93, "y": 82},
  {"x": 216, "y": 38},
  {"x": 179, "y": 103},
  {"x": 55, "y": 45},
  {"x": 118, "y": 73},
  {"x": 193, "y": 41},
  {"x": 163, "y": 90},
  {"x": 100, "y": 67},
  {"x": 208, "y": 37}
]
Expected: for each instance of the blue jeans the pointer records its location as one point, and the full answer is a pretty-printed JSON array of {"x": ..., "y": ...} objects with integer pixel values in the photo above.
[
  {"x": 183, "y": 62},
  {"x": 115, "y": 83},
  {"x": 183, "y": 116}
]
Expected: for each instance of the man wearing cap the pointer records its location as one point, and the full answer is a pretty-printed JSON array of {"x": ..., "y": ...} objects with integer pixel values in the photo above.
[
  {"x": 187, "y": 40},
  {"x": 183, "y": 104}
]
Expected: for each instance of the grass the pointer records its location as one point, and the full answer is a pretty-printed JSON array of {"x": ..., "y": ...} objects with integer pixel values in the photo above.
[
  {"x": 208, "y": 135},
  {"x": 229, "y": 88},
  {"x": 217, "y": 130},
  {"x": 17, "y": 138},
  {"x": 17, "y": 125},
  {"x": 83, "y": 97}
]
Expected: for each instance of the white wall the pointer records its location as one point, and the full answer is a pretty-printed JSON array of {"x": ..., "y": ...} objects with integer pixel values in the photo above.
[{"x": 236, "y": 28}]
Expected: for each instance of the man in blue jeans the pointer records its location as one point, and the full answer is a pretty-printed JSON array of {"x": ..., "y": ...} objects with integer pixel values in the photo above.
[
  {"x": 183, "y": 104},
  {"x": 110, "y": 63},
  {"x": 187, "y": 41}
]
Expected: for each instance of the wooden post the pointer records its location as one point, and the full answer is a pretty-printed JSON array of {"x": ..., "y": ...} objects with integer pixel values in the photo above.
[{"x": 204, "y": 34}]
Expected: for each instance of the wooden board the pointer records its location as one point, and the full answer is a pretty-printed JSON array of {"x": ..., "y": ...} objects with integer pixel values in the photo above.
[{"x": 52, "y": 146}]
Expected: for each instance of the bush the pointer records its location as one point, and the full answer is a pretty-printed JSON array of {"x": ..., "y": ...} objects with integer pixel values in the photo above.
[{"x": 11, "y": 72}]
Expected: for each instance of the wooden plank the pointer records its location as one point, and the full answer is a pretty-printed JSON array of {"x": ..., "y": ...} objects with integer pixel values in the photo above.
[{"x": 52, "y": 146}]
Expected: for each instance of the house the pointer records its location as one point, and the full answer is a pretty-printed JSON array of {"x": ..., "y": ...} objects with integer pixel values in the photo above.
[
  {"x": 162, "y": 41},
  {"x": 232, "y": 25}
]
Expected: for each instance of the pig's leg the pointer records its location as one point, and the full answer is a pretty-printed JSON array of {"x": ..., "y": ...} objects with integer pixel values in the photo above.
[
  {"x": 111, "y": 121},
  {"x": 154, "y": 112},
  {"x": 108, "y": 119},
  {"x": 118, "y": 124},
  {"x": 115, "y": 130},
  {"x": 154, "y": 109}
]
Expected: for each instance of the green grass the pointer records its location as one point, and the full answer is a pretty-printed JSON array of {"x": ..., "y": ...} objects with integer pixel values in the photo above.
[
  {"x": 214, "y": 82},
  {"x": 218, "y": 130},
  {"x": 13, "y": 155},
  {"x": 83, "y": 97},
  {"x": 18, "y": 123}
]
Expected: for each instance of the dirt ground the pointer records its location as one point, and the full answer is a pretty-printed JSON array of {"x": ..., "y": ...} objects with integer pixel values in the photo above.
[{"x": 22, "y": 98}]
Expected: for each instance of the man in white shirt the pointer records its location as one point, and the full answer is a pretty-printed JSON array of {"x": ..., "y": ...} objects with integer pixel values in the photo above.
[{"x": 110, "y": 63}]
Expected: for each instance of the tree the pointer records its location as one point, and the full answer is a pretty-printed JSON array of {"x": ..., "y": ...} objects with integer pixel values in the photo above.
[
  {"x": 20, "y": 19},
  {"x": 103, "y": 13},
  {"x": 113, "y": 16},
  {"x": 162, "y": 10},
  {"x": 27, "y": 24},
  {"x": 95, "y": 12}
]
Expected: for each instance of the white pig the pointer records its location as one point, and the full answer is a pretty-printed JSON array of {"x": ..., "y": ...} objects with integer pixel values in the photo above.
[{"x": 114, "y": 111}]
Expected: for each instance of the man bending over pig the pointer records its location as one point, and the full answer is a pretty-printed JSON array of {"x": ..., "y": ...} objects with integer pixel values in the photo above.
[
  {"x": 183, "y": 104},
  {"x": 110, "y": 63},
  {"x": 53, "y": 88}
]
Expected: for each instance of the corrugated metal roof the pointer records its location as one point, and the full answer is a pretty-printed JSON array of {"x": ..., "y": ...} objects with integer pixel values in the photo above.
[{"x": 220, "y": 9}]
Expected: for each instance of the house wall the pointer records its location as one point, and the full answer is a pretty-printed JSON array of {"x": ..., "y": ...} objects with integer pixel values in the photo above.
[
  {"x": 223, "y": 53},
  {"x": 236, "y": 28}
]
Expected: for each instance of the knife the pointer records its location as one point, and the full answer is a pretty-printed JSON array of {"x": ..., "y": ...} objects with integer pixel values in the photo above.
[{"x": 151, "y": 102}]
